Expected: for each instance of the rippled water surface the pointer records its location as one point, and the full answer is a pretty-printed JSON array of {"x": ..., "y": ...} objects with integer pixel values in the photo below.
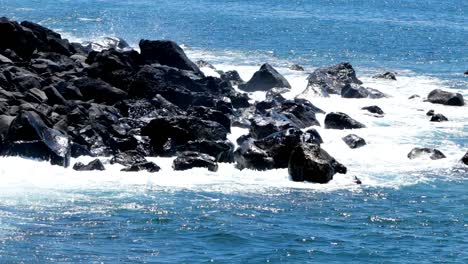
[{"x": 405, "y": 211}]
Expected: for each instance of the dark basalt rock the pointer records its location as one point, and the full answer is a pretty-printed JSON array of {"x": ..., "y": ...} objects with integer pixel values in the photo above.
[
  {"x": 16, "y": 79},
  {"x": 357, "y": 91},
  {"x": 374, "y": 109},
  {"x": 78, "y": 150},
  {"x": 308, "y": 162},
  {"x": 414, "y": 96},
  {"x": 265, "y": 79},
  {"x": 206, "y": 113},
  {"x": 300, "y": 113},
  {"x": 92, "y": 166},
  {"x": 221, "y": 150},
  {"x": 28, "y": 136},
  {"x": 168, "y": 132},
  {"x": 189, "y": 159},
  {"x": 357, "y": 180},
  {"x": 331, "y": 80},
  {"x": 53, "y": 96},
  {"x": 438, "y": 118},
  {"x": 312, "y": 136},
  {"x": 296, "y": 67},
  {"x": 5, "y": 121},
  {"x": 147, "y": 166},
  {"x": 430, "y": 113},
  {"x": 465, "y": 158},
  {"x": 35, "y": 95},
  {"x": 280, "y": 145},
  {"x": 433, "y": 154},
  {"x": 438, "y": 96},
  {"x": 232, "y": 77},
  {"x": 354, "y": 141},
  {"x": 262, "y": 127},
  {"x": 386, "y": 75},
  {"x": 249, "y": 156},
  {"x": 166, "y": 52},
  {"x": 100, "y": 91},
  {"x": 128, "y": 158},
  {"x": 338, "y": 120}
]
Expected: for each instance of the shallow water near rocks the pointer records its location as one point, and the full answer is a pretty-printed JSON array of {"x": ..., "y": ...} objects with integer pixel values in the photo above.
[{"x": 405, "y": 211}]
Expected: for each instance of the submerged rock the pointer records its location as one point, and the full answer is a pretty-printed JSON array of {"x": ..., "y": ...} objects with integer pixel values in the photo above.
[
  {"x": 374, "y": 109},
  {"x": 386, "y": 75},
  {"x": 189, "y": 159},
  {"x": 353, "y": 141},
  {"x": 296, "y": 67},
  {"x": 430, "y": 113},
  {"x": 438, "y": 96},
  {"x": 92, "y": 166},
  {"x": 438, "y": 118},
  {"x": 147, "y": 166},
  {"x": 465, "y": 158},
  {"x": 338, "y": 120},
  {"x": 433, "y": 154},
  {"x": 265, "y": 79},
  {"x": 308, "y": 162}
]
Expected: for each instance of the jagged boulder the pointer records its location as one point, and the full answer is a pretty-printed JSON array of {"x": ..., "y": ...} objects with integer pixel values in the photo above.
[
  {"x": 166, "y": 52},
  {"x": 331, "y": 80},
  {"x": 354, "y": 141},
  {"x": 338, "y": 120},
  {"x": 221, "y": 150},
  {"x": 250, "y": 156},
  {"x": 189, "y": 159},
  {"x": 374, "y": 109},
  {"x": 28, "y": 136},
  {"x": 144, "y": 166},
  {"x": 465, "y": 158},
  {"x": 95, "y": 165},
  {"x": 265, "y": 79},
  {"x": 438, "y": 118},
  {"x": 100, "y": 91},
  {"x": 232, "y": 77},
  {"x": 280, "y": 145},
  {"x": 433, "y": 154},
  {"x": 438, "y": 96},
  {"x": 308, "y": 162}
]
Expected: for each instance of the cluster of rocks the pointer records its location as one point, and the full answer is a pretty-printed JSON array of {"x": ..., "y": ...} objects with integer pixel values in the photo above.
[{"x": 60, "y": 100}]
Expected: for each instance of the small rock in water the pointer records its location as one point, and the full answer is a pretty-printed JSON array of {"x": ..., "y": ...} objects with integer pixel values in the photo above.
[
  {"x": 265, "y": 79},
  {"x": 92, "y": 166},
  {"x": 438, "y": 118},
  {"x": 465, "y": 158},
  {"x": 338, "y": 120},
  {"x": 430, "y": 113},
  {"x": 386, "y": 75},
  {"x": 190, "y": 159},
  {"x": 374, "y": 109},
  {"x": 296, "y": 67},
  {"x": 433, "y": 154},
  {"x": 147, "y": 166},
  {"x": 438, "y": 96},
  {"x": 357, "y": 180},
  {"x": 354, "y": 141},
  {"x": 414, "y": 96}
]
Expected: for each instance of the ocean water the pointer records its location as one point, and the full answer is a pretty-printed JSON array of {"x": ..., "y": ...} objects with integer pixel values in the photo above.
[{"x": 406, "y": 211}]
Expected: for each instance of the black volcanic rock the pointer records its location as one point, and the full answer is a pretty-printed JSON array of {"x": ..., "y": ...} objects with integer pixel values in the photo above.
[
  {"x": 331, "y": 80},
  {"x": 308, "y": 162},
  {"x": 438, "y": 118},
  {"x": 232, "y": 77},
  {"x": 166, "y": 52},
  {"x": 100, "y": 91},
  {"x": 438, "y": 96},
  {"x": 265, "y": 79},
  {"x": 430, "y": 113},
  {"x": 250, "y": 156},
  {"x": 189, "y": 159},
  {"x": 144, "y": 166},
  {"x": 465, "y": 158},
  {"x": 296, "y": 67},
  {"x": 221, "y": 150},
  {"x": 386, "y": 75},
  {"x": 28, "y": 136},
  {"x": 433, "y": 154},
  {"x": 374, "y": 109},
  {"x": 356, "y": 91},
  {"x": 354, "y": 141},
  {"x": 280, "y": 145},
  {"x": 166, "y": 133},
  {"x": 338, "y": 120},
  {"x": 92, "y": 166}
]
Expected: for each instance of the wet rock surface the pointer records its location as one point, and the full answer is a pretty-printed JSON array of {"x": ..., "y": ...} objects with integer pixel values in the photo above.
[{"x": 433, "y": 154}]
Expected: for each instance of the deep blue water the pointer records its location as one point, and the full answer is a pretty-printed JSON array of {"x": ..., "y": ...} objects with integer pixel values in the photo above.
[{"x": 424, "y": 222}]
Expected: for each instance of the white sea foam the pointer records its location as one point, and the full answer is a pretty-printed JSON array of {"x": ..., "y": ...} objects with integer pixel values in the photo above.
[{"x": 382, "y": 163}]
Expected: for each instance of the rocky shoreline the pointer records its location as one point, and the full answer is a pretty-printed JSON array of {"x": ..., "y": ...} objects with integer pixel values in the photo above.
[{"x": 60, "y": 100}]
